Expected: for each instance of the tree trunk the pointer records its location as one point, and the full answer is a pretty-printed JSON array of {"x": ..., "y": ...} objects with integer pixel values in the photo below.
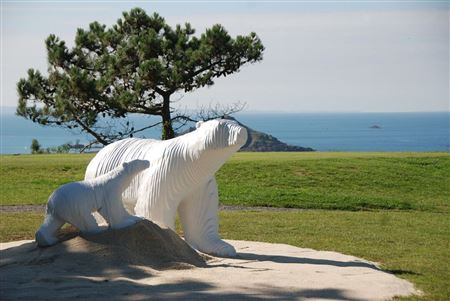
[{"x": 167, "y": 130}]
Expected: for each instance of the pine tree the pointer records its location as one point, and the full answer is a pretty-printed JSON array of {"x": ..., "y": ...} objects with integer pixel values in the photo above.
[
  {"x": 35, "y": 147},
  {"x": 133, "y": 67}
]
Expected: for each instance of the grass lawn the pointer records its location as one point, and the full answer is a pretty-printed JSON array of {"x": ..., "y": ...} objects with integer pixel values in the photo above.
[
  {"x": 393, "y": 207},
  {"x": 346, "y": 181},
  {"x": 29, "y": 179}
]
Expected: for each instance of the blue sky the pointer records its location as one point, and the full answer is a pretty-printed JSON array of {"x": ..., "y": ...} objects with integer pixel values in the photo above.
[{"x": 321, "y": 56}]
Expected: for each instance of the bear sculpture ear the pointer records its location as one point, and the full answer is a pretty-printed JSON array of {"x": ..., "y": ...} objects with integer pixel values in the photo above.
[
  {"x": 124, "y": 164},
  {"x": 198, "y": 124}
]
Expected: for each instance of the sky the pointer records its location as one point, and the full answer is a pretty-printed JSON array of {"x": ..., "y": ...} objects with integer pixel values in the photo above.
[{"x": 321, "y": 56}]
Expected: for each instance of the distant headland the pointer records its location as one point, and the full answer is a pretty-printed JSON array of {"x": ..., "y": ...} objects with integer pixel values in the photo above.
[{"x": 263, "y": 142}]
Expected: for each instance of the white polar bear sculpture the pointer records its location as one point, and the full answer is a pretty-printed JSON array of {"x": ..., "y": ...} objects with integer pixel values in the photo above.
[
  {"x": 75, "y": 202},
  {"x": 181, "y": 177}
]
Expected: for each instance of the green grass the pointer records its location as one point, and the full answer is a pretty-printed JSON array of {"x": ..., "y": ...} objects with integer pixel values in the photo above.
[
  {"x": 345, "y": 181},
  {"x": 19, "y": 225},
  {"x": 29, "y": 179}
]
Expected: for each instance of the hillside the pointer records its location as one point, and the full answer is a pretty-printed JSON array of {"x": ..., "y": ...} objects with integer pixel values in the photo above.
[{"x": 262, "y": 142}]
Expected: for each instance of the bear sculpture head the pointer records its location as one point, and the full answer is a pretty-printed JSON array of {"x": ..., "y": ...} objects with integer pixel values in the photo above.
[
  {"x": 222, "y": 133},
  {"x": 130, "y": 169},
  {"x": 135, "y": 166}
]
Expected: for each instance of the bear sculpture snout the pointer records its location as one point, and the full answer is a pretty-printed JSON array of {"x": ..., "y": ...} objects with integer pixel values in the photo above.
[{"x": 238, "y": 135}]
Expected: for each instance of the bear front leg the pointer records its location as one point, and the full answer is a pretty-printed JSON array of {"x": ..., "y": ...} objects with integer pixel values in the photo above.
[
  {"x": 198, "y": 215},
  {"x": 46, "y": 235}
]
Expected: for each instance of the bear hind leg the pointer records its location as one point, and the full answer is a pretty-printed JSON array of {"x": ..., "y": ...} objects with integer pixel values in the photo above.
[
  {"x": 119, "y": 218},
  {"x": 86, "y": 223}
]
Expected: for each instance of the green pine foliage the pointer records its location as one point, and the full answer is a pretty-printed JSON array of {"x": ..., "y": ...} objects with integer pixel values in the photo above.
[{"x": 132, "y": 67}]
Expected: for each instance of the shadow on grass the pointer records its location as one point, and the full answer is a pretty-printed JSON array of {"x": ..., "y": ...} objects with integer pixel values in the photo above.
[
  {"x": 300, "y": 260},
  {"x": 402, "y": 272}
]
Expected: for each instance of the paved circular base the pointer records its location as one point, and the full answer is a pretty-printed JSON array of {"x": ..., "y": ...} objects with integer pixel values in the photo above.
[{"x": 261, "y": 271}]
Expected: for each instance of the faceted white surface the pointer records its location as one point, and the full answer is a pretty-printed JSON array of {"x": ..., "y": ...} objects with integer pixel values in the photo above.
[
  {"x": 75, "y": 202},
  {"x": 181, "y": 177}
]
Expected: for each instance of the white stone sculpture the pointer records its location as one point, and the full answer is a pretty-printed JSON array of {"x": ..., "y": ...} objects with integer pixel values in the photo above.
[
  {"x": 75, "y": 202},
  {"x": 181, "y": 177}
]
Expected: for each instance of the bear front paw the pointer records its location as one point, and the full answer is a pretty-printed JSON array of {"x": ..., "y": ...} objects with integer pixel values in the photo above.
[
  {"x": 225, "y": 250},
  {"x": 219, "y": 248},
  {"x": 44, "y": 239}
]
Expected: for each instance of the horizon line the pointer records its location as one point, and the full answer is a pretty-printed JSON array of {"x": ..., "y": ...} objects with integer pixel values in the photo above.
[{"x": 300, "y": 112}]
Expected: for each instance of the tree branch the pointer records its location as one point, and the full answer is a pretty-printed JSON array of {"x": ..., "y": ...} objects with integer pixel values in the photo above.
[
  {"x": 88, "y": 146},
  {"x": 161, "y": 91},
  {"x": 144, "y": 128},
  {"x": 87, "y": 129}
]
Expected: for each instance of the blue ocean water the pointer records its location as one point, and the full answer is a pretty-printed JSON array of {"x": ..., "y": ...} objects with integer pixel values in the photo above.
[
  {"x": 356, "y": 132},
  {"x": 321, "y": 131}
]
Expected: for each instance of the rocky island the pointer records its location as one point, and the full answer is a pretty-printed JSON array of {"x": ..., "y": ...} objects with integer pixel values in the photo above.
[{"x": 262, "y": 142}]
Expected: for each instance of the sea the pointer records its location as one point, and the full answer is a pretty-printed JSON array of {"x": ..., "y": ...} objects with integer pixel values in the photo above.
[{"x": 356, "y": 132}]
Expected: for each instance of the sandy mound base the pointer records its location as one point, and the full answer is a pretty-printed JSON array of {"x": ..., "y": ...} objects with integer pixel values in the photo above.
[
  {"x": 143, "y": 244},
  {"x": 145, "y": 262}
]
